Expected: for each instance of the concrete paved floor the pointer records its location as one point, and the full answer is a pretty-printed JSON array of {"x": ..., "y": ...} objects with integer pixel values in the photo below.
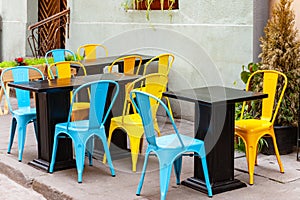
[{"x": 98, "y": 184}]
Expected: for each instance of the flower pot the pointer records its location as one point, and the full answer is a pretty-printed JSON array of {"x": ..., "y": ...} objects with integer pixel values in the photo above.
[{"x": 286, "y": 137}]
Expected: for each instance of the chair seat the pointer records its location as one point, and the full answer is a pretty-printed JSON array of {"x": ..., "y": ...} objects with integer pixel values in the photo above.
[
  {"x": 77, "y": 126},
  {"x": 171, "y": 141},
  {"x": 128, "y": 119},
  {"x": 252, "y": 126},
  {"x": 25, "y": 111}
]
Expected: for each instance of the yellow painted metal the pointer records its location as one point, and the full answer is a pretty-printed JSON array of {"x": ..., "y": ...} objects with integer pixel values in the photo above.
[
  {"x": 129, "y": 63},
  {"x": 251, "y": 130},
  {"x": 154, "y": 84},
  {"x": 165, "y": 63},
  {"x": 89, "y": 51}
]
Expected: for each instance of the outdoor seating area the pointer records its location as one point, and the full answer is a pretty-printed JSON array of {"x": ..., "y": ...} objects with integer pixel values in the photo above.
[
  {"x": 121, "y": 109},
  {"x": 68, "y": 131}
]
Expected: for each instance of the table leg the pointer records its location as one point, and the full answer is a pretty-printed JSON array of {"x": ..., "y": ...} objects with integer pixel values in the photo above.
[
  {"x": 217, "y": 131},
  {"x": 52, "y": 108}
]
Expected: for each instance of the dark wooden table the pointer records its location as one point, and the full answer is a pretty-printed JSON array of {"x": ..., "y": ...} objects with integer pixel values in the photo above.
[
  {"x": 96, "y": 66},
  {"x": 214, "y": 123},
  {"x": 52, "y": 106}
]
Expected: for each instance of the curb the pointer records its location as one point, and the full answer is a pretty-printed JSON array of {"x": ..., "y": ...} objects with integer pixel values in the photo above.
[{"x": 10, "y": 168}]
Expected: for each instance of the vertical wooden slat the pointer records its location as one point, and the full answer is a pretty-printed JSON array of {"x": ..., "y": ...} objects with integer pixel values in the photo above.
[{"x": 50, "y": 33}]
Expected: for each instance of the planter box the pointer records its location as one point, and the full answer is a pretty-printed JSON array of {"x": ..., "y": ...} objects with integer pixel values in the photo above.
[
  {"x": 142, "y": 5},
  {"x": 286, "y": 137},
  {"x": 33, "y": 75}
]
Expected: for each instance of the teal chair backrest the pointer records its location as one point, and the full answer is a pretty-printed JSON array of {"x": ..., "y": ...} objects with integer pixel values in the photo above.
[
  {"x": 141, "y": 101},
  {"x": 99, "y": 93},
  {"x": 20, "y": 74},
  {"x": 59, "y": 55}
]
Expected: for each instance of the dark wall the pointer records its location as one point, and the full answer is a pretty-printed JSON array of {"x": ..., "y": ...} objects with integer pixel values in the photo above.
[{"x": 260, "y": 18}]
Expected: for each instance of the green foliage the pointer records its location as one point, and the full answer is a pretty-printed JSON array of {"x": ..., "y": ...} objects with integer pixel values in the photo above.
[
  {"x": 6, "y": 64},
  {"x": 27, "y": 61},
  {"x": 36, "y": 61},
  {"x": 245, "y": 74},
  {"x": 71, "y": 57},
  {"x": 281, "y": 52}
]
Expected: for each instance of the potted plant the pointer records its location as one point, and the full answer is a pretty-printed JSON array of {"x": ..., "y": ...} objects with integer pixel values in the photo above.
[
  {"x": 150, "y": 5},
  {"x": 281, "y": 51}
]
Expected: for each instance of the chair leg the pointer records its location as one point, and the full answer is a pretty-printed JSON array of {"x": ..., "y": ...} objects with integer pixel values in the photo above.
[
  {"x": 177, "y": 169},
  {"x": 21, "y": 139},
  {"x": 107, "y": 153},
  {"x": 169, "y": 106},
  {"x": 12, "y": 134},
  {"x": 108, "y": 142},
  {"x": 138, "y": 191},
  {"x": 251, "y": 155},
  {"x": 164, "y": 179},
  {"x": 277, "y": 153},
  {"x": 80, "y": 154},
  {"x": 6, "y": 110},
  {"x": 206, "y": 176},
  {"x": 53, "y": 157},
  {"x": 134, "y": 146},
  {"x": 90, "y": 148}
]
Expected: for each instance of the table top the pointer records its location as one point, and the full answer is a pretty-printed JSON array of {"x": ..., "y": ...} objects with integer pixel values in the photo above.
[
  {"x": 109, "y": 59},
  {"x": 65, "y": 83},
  {"x": 215, "y": 94}
]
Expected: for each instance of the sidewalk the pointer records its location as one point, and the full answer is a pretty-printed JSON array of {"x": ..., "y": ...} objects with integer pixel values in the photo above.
[{"x": 269, "y": 183}]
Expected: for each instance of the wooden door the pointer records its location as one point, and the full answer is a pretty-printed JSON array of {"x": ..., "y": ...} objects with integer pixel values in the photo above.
[{"x": 53, "y": 34}]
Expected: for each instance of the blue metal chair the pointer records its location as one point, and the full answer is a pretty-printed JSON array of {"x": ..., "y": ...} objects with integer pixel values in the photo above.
[
  {"x": 168, "y": 148},
  {"x": 24, "y": 114},
  {"x": 59, "y": 55},
  {"x": 82, "y": 131}
]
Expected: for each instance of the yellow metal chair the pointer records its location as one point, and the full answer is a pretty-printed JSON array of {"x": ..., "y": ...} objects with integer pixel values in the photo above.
[
  {"x": 66, "y": 69},
  {"x": 251, "y": 130},
  {"x": 91, "y": 51},
  {"x": 154, "y": 84},
  {"x": 131, "y": 64},
  {"x": 164, "y": 64}
]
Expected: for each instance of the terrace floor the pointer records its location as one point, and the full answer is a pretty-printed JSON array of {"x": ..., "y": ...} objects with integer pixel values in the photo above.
[{"x": 98, "y": 184}]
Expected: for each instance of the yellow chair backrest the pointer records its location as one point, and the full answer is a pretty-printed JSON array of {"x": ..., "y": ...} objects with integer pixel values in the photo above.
[
  {"x": 89, "y": 51},
  {"x": 64, "y": 69},
  {"x": 154, "y": 84},
  {"x": 129, "y": 64},
  {"x": 270, "y": 85},
  {"x": 165, "y": 62}
]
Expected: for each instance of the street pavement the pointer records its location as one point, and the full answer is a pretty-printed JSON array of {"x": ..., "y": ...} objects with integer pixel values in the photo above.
[{"x": 10, "y": 190}]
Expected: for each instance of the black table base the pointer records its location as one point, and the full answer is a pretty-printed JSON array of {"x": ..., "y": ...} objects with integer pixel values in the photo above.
[
  {"x": 199, "y": 185},
  {"x": 214, "y": 124},
  {"x": 44, "y": 165}
]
